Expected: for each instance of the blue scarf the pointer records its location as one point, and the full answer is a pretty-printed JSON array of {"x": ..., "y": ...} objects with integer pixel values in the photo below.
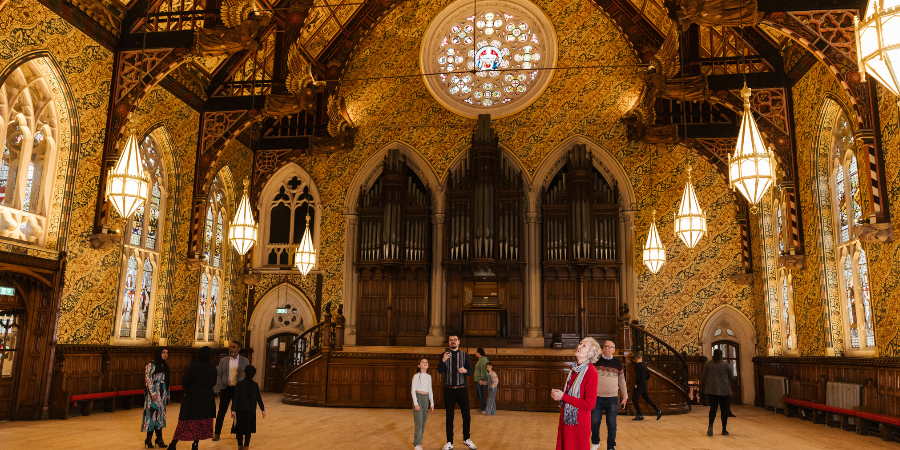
[{"x": 570, "y": 412}]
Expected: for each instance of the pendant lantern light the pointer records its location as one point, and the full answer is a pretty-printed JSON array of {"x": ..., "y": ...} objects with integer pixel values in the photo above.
[
  {"x": 690, "y": 220},
  {"x": 654, "y": 252},
  {"x": 305, "y": 257},
  {"x": 242, "y": 232},
  {"x": 128, "y": 184},
  {"x": 751, "y": 170},
  {"x": 878, "y": 43}
]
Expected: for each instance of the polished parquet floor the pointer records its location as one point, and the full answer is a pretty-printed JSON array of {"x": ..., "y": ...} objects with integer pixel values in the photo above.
[{"x": 295, "y": 427}]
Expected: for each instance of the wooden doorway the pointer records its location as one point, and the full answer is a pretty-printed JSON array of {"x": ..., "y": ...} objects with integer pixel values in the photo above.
[
  {"x": 731, "y": 353},
  {"x": 10, "y": 337},
  {"x": 278, "y": 349}
]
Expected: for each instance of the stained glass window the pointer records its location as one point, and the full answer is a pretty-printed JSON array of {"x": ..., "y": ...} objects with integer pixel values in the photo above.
[
  {"x": 213, "y": 305},
  {"x": 4, "y": 173},
  {"x": 207, "y": 233},
  {"x": 217, "y": 258},
  {"x": 787, "y": 312},
  {"x": 201, "y": 307},
  {"x": 851, "y": 302},
  {"x": 146, "y": 291},
  {"x": 779, "y": 225},
  {"x": 212, "y": 287},
  {"x": 137, "y": 227},
  {"x": 485, "y": 57},
  {"x": 128, "y": 296},
  {"x": 153, "y": 224},
  {"x": 863, "y": 265}
]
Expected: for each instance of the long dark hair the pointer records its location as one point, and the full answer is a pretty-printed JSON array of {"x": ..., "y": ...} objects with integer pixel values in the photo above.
[
  {"x": 203, "y": 355},
  {"x": 717, "y": 354},
  {"x": 160, "y": 365}
]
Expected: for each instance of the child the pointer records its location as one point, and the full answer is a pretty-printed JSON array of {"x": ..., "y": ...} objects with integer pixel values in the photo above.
[
  {"x": 243, "y": 408},
  {"x": 490, "y": 407},
  {"x": 423, "y": 400}
]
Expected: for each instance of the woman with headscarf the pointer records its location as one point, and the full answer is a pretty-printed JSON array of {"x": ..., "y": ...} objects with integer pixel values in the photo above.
[
  {"x": 195, "y": 420},
  {"x": 577, "y": 401},
  {"x": 156, "y": 397}
]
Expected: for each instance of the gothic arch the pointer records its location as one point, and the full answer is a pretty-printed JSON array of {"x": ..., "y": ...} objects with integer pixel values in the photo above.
[
  {"x": 268, "y": 192},
  {"x": 728, "y": 317},
  {"x": 262, "y": 321}
]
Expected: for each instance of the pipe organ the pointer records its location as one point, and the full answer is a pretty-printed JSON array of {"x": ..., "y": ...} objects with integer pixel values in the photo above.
[
  {"x": 394, "y": 257},
  {"x": 484, "y": 245},
  {"x": 580, "y": 252}
]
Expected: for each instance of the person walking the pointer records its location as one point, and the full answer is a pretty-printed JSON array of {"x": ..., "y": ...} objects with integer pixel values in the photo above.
[
  {"x": 195, "y": 419},
  {"x": 716, "y": 380},
  {"x": 481, "y": 378},
  {"x": 641, "y": 375},
  {"x": 455, "y": 367},
  {"x": 612, "y": 395},
  {"x": 229, "y": 373},
  {"x": 490, "y": 405},
  {"x": 243, "y": 408},
  {"x": 156, "y": 397},
  {"x": 578, "y": 398},
  {"x": 422, "y": 399}
]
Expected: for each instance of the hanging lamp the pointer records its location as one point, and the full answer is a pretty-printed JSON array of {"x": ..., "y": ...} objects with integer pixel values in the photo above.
[
  {"x": 690, "y": 220},
  {"x": 305, "y": 257},
  {"x": 878, "y": 43},
  {"x": 128, "y": 184},
  {"x": 654, "y": 252},
  {"x": 751, "y": 170},
  {"x": 242, "y": 231}
]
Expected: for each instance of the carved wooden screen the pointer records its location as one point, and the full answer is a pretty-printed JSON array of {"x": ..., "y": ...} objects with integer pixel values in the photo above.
[
  {"x": 581, "y": 264},
  {"x": 394, "y": 257},
  {"x": 483, "y": 247}
]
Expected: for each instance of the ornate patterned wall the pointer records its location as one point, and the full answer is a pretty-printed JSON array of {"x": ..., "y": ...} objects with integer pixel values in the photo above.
[
  {"x": 809, "y": 97},
  {"x": 674, "y": 302}
]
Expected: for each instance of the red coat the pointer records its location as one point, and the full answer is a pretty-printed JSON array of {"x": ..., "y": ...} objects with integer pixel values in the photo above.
[{"x": 578, "y": 437}]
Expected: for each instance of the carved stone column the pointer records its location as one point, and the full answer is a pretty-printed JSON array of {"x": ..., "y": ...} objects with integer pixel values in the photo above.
[
  {"x": 436, "y": 331},
  {"x": 350, "y": 277},
  {"x": 535, "y": 334}
]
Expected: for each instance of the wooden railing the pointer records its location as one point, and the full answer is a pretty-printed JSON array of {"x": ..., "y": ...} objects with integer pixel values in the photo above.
[
  {"x": 660, "y": 357},
  {"x": 326, "y": 336}
]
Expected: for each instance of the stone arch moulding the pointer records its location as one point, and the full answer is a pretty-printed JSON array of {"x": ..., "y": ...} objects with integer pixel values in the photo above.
[
  {"x": 367, "y": 173},
  {"x": 745, "y": 336},
  {"x": 615, "y": 174},
  {"x": 267, "y": 192},
  {"x": 260, "y": 328}
]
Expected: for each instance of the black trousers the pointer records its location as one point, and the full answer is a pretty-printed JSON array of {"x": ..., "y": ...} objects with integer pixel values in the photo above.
[
  {"x": 482, "y": 391},
  {"x": 722, "y": 402},
  {"x": 225, "y": 396},
  {"x": 640, "y": 392},
  {"x": 453, "y": 397},
  {"x": 243, "y": 439}
]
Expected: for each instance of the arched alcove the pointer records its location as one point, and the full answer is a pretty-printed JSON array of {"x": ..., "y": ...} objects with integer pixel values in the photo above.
[
  {"x": 264, "y": 321},
  {"x": 297, "y": 192},
  {"x": 726, "y": 323}
]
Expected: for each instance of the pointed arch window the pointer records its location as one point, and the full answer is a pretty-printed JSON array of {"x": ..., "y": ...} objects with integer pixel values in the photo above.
[
  {"x": 141, "y": 253},
  {"x": 30, "y": 126},
  {"x": 859, "y": 332},
  {"x": 788, "y": 322},
  {"x": 288, "y": 207},
  {"x": 214, "y": 254}
]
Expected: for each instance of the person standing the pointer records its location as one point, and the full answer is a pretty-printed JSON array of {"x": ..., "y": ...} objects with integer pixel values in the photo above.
[
  {"x": 229, "y": 373},
  {"x": 481, "y": 378},
  {"x": 243, "y": 408},
  {"x": 195, "y": 419},
  {"x": 612, "y": 394},
  {"x": 716, "y": 380},
  {"x": 156, "y": 397},
  {"x": 578, "y": 398},
  {"x": 490, "y": 405},
  {"x": 641, "y": 375},
  {"x": 455, "y": 367},
  {"x": 423, "y": 401}
]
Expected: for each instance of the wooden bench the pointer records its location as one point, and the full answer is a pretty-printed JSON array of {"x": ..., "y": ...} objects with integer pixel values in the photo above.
[
  {"x": 85, "y": 402},
  {"x": 865, "y": 422}
]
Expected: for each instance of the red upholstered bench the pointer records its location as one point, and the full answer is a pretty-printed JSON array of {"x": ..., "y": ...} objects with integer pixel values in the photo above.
[
  {"x": 89, "y": 398},
  {"x": 884, "y": 423}
]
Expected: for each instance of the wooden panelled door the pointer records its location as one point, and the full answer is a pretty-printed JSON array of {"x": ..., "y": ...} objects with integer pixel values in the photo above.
[
  {"x": 10, "y": 331},
  {"x": 278, "y": 360},
  {"x": 731, "y": 353},
  {"x": 580, "y": 254},
  {"x": 393, "y": 258}
]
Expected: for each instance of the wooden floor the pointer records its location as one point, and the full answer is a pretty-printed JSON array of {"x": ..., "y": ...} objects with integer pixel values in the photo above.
[{"x": 338, "y": 429}]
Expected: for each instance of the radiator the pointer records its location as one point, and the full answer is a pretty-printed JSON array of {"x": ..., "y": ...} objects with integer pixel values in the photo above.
[
  {"x": 843, "y": 395},
  {"x": 775, "y": 388}
]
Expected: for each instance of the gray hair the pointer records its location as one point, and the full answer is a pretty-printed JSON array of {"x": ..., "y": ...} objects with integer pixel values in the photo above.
[{"x": 593, "y": 349}]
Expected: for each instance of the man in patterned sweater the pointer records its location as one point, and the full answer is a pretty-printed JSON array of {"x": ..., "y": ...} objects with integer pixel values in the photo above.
[{"x": 611, "y": 395}]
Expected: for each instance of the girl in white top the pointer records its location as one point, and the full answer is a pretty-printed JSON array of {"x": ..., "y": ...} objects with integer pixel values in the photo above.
[{"x": 423, "y": 400}]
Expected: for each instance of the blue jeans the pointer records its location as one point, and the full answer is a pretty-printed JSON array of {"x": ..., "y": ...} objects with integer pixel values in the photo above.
[{"x": 610, "y": 407}]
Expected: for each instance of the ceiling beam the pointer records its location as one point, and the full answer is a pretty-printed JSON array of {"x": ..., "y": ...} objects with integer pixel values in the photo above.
[
  {"x": 162, "y": 39},
  {"x": 756, "y": 80},
  {"x": 809, "y": 5}
]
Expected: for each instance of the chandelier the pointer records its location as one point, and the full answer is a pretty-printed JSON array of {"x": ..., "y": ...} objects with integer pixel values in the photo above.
[
  {"x": 242, "y": 231},
  {"x": 127, "y": 184},
  {"x": 690, "y": 220},
  {"x": 654, "y": 252},
  {"x": 305, "y": 257},
  {"x": 878, "y": 43},
  {"x": 751, "y": 170}
]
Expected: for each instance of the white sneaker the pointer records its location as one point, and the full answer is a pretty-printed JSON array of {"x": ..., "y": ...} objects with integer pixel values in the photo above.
[
  {"x": 418, "y": 447},
  {"x": 595, "y": 446},
  {"x": 469, "y": 444},
  {"x": 448, "y": 446}
]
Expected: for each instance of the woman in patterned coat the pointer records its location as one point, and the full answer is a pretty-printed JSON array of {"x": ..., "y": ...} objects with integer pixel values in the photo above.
[{"x": 156, "y": 397}]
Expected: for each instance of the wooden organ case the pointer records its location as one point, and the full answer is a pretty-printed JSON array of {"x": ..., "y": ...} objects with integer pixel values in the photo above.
[
  {"x": 580, "y": 256},
  {"x": 394, "y": 257},
  {"x": 484, "y": 250}
]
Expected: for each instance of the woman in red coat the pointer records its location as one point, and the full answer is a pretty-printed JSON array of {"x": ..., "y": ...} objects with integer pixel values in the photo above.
[{"x": 576, "y": 403}]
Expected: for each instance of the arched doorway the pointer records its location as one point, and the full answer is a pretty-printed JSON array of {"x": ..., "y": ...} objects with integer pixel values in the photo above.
[
  {"x": 278, "y": 348},
  {"x": 283, "y": 311},
  {"x": 12, "y": 318},
  {"x": 730, "y": 330},
  {"x": 731, "y": 352}
]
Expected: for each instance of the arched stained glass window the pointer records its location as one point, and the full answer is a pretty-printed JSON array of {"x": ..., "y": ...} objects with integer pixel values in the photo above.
[
  {"x": 788, "y": 323},
  {"x": 140, "y": 250},
  {"x": 202, "y": 307},
  {"x": 212, "y": 285}
]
